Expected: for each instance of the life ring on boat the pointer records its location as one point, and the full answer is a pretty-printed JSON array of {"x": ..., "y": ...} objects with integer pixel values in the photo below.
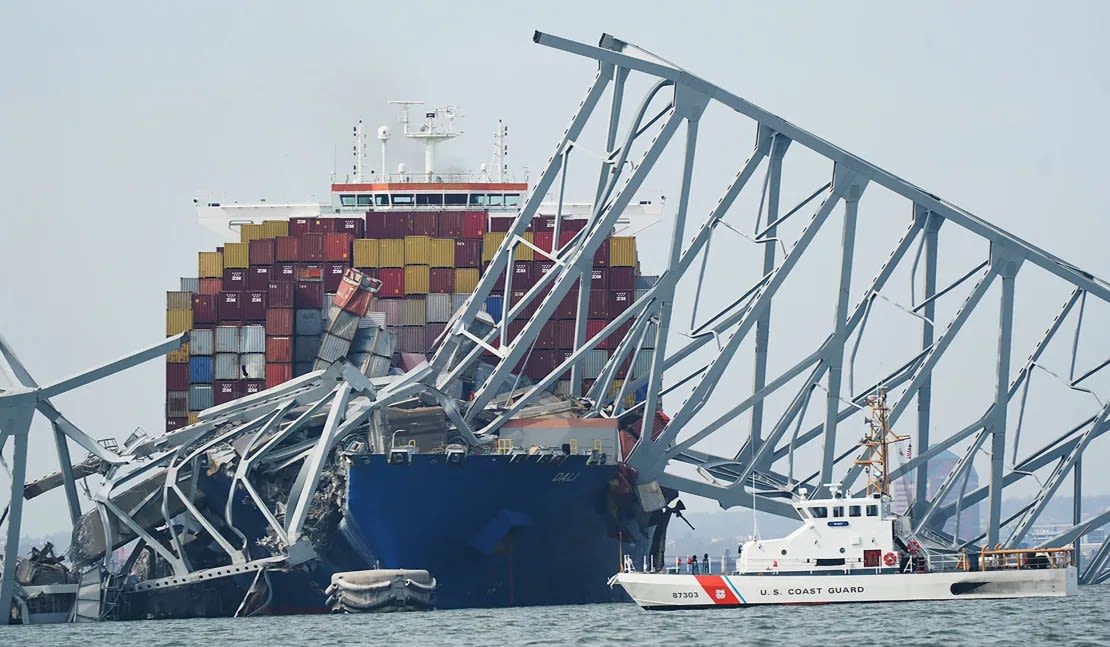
[
  {"x": 890, "y": 559},
  {"x": 913, "y": 547}
]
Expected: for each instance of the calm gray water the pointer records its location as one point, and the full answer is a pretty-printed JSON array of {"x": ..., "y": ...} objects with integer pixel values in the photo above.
[{"x": 1081, "y": 620}]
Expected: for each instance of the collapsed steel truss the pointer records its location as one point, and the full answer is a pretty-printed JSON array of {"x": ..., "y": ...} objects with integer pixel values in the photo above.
[{"x": 686, "y": 361}]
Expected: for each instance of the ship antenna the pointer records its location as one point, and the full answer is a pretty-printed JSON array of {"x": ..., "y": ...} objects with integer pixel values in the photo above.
[
  {"x": 359, "y": 151},
  {"x": 500, "y": 150}
]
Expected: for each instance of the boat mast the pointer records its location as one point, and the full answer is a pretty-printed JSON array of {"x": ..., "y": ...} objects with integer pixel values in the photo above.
[{"x": 877, "y": 446}]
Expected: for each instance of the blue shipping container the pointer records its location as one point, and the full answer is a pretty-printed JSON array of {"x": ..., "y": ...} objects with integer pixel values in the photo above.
[
  {"x": 308, "y": 322},
  {"x": 494, "y": 304},
  {"x": 200, "y": 369},
  {"x": 302, "y": 368}
]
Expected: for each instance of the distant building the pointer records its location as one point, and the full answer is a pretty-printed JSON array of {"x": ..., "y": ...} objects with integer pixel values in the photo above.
[{"x": 902, "y": 493}]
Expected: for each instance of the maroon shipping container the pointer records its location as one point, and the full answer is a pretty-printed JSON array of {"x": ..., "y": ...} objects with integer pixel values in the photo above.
[
  {"x": 468, "y": 253},
  {"x": 287, "y": 248},
  {"x": 599, "y": 278},
  {"x": 279, "y": 348},
  {"x": 565, "y": 237},
  {"x": 601, "y": 258},
  {"x": 279, "y": 295},
  {"x": 548, "y": 337},
  {"x": 278, "y": 374},
  {"x": 541, "y": 268},
  {"x": 324, "y": 225},
  {"x": 337, "y": 247},
  {"x": 177, "y": 377},
  {"x": 622, "y": 278},
  {"x": 423, "y": 223},
  {"x": 254, "y": 305},
  {"x": 258, "y": 278},
  {"x": 393, "y": 282},
  {"x": 474, "y": 224},
  {"x": 450, "y": 224},
  {"x": 262, "y": 251},
  {"x": 522, "y": 274},
  {"x": 500, "y": 223},
  {"x": 353, "y": 226},
  {"x": 310, "y": 272},
  {"x": 299, "y": 226},
  {"x": 432, "y": 333},
  {"x": 279, "y": 321},
  {"x": 224, "y": 391},
  {"x": 593, "y": 327},
  {"x": 564, "y": 334},
  {"x": 204, "y": 309},
  {"x": 441, "y": 280},
  {"x": 375, "y": 225},
  {"x": 396, "y": 225},
  {"x": 544, "y": 240},
  {"x": 173, "y": 424},
  {"x": 543, "y": 224},
  {"x": 308, "y": 294},
  {"x": 499, "y": 284},
  {"x": 210, "y": 286},
  {"x": 312, "y": 247},
  {"x": 235, "y": 280},
  {"x": 229, "y": 306},
  {"x": 568, "y": 307},
  {"x": 516, "y": 297},
  {"x": 333, "y": 275},
  {"x": 599, "y": 303},
  {"x": 618, "y": 335},
  {"x": 250, "y": 387},
  {"x": 283, "y": 272},
  {"x": 541, "y": 363},
  {"x": 619, "y": 301}
]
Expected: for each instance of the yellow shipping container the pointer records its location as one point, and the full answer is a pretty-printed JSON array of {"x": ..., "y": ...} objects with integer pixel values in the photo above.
[
  {"x": 391, "y": 252},
  {"x": 416, "y": 279},
  {"x": 442, "y": 252},
  {"x": 466, "y": 279},
  {"x": 210, "y": 265},
  {"x": 417, "y": 250},
  {"x": 275, "y": 228},
  {"x": 178, "y": 320},
  {"x": 366, "y": 252},
  {"x": 179, "y": 356},
  {"x": 251, "y": 231},
  {"x": 491, "y": 240},
  {"x": 622, "y": 251},
  {"x": 524, "y": 252},
  {"x": 193, "y": 417},
  {"x": 179, "y": 301},
  {"x": 237, "y": 255}
]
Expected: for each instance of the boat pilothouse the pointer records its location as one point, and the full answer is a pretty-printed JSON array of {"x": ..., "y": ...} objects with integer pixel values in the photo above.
[{"x": 856, "y": 549}]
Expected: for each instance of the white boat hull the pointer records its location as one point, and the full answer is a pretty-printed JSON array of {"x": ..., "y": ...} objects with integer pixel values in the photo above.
[{"x": 665, "y": 591}]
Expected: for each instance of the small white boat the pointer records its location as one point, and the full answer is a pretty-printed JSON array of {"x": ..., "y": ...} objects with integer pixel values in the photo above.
[{"x": 854, "y": 549}]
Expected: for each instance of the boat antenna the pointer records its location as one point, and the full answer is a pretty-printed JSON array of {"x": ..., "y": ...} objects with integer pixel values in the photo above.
[{"x": 876, "y": 446}]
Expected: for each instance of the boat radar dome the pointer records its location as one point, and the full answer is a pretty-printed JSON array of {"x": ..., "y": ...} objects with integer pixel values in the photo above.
[{"x": 383, "y": 133}]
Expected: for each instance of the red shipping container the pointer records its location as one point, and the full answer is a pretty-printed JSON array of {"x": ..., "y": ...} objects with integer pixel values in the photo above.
[
  {"x": 353, "y": 226},
  {"x": 573, "y": 226},
  {"x": 599, "y": 278},
  {"x": 474, "y": 224},
  {"x": 278, "y": 374},
  {"x": 177, "y": 377},
  {"x": 622, "y": 278},
  {"x": 543, "y": 224},
  {"x": 224, "y": 391},
  {"x": 593, "y": 327},
  {"x": 283, "y": 272},
  {"x": 250, "y": 387},
  {"x": 279, "y": 295},
  {"x": 261, "y": 251},
  {"x": 287, "y": 248},
  {"x": 204, "y": 309},
  {"x": 500, "y": 223},
  {"x": 599, "y": 304},
  {"x": 565, "y": 237},
  {"x": 423, "y": 223},
  {"x": 254, "y": 305},
  {"x": 258, "y": 278},
  {"x": 468, "y": 253},
  {"x": 333, "y": 275},
  {"x": 173, "y": 424},
  {"x": 544, "y": 240},
  {"x": 393, "y": 282},
  {"x": 396, "y": 225},
  {"x": 235, "y": 280},
  {"x": 601, "y": 258},
  {"x": 308, "y": 294},
  {"x": 568, "y": 307},
  {"x": 618, "y": 335},
  {"x": 619, "y": 301},
  {"x": 337, "y": 247},
  {"x": 522, "y": 274},
  {"x": 325, "y": 225},
  {"x": 279, "y": 348},
  {"x": 441, "y": 280},
  {"x": 450, "y": 224},
  {"x": 210, "y": 286},
  {"x": 279, "y": 321},
  {"x": 312, "y": 247},
  {"x": 310, "y": 272},
  {"x": 229, "y": 306},
  {"x": 564, "y": 334},
  {"x": 375, "y": 225},
  {"x": 351, "y": 299},
  {"x": 299, "y": 226}
]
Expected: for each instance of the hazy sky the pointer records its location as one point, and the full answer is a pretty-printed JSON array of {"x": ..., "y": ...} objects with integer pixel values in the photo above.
[{"x": 115, "y": 116}]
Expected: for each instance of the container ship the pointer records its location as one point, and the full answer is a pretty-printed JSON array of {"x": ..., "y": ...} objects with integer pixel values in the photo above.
[{"x": 262, "y": 488}]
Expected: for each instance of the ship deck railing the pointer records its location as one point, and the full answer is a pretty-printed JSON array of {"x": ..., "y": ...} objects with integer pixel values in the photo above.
[{"x": 999, "y": 559}]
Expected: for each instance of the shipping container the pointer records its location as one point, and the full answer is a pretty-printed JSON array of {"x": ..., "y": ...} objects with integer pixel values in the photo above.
[
  {"x": 178, "y": 321},
  {"x": 599, "y": 278},
  {"x": 524, "y": 252},
  {"x": 522, "y": 274},
  {"x": 622, "y": 278},
  {"x": 391, "y": 252},
  {"x": 450, "y": 224},
  {"x": 465, "y": 280},
  {"x": 599, "y": 304},
  {"x": 494, "y": 306},
  {"x": 516, "y": 296},
  {"x": 432, "y": 333},
  {"x": 279, "y": 295},
  {"x": 423, "y": 223},
  {"x": 279, "y": 348},
  {"x": 593, "y": 328},
  {"x": 568, "y": 307},
  {"x": 249, "y": 232},
  {"x": 277, "y": 374},
  {"x": 229, "y": 306},
  {"x": 366, "y": 339},
  {"x": 308, "y": 294},
  {"x": 252, "y": 339},
  {"x": 275, "y": 228},
  {"x": 333, "y": 275},
  {"x": 601, "y": 258},
  {"x": 498, "y": 282},
  {"x": 441, "y": 280},
  {"x": 376, "y": 366},
  {"x": 252, "y": 366},
  {"x": 179, "y": 300},
  {"x": 619, "y": 301},
  {"x": 332, "y": 349},
  {"x": 354, "y": 227},
  {"x": 413, "y": 311},
  {"x": 387, "y": 344},
  {"x": 173, "y": 424},
  {"x": 190, "y": 284},
  {"x": 210, "y": 265},
  {"x": 413, "y": 340},
  {"x": 365, "y": 253},
  {"x": 235, "y": 280},
  {"x": 262, "y": 252},
  {"x": 548, "y": 337},
  {"x": 201, "y": 342},
  {"x": 474, "y": 224},
  {"x": 417, "y": 250},
  {"x": 258, "y": 278},
  {"x": 646, "y": 282},
  {"x": 179, "y": 356},
  {"x": 227, "y": 339},
  {"x": 283, "y": 272},
  {"x": 622, "y": 251},
  {"x": 375, "y": 225},
  {"x": 393, "y": 310},
  {"x": 416, "y": 279},
  {"x": 500, "y": 224},
  {"x": 308, "y": 322},
  {"x": 393, "y": 282},
  {"x": 200, "y": 397},
  {"x": 311, "y": 247},
  {"x": 593, "y": 362},
  {"x": 250, "y": 387},
  {"x": 377, "y": 318},
  {"x": 337, "y": 247},
  {"x": 254, "y": 305},
  {"x": 287, "y": 249},
  {"x": 177, "y": 402},
  {"x": 396, "y": 225},
  {"x": 355, "y": 292},
  {"x": 177, "y": 377},
  {"x": 279, "y": 321},
  {"x": 545, "y": 240},
  {"x": 305, "y": 348},
  {"x": 438, "y": 308},
  {"x": 614, "y": 339},
  {"x": 491, "y": 241},
  {"x": 342, "y": 323},
  {"x": 326, "y": 225},
  {"x": 441, "y": 252},
  {"x": 468, "y": 253},
  {"x": 201, "y": 369},
  {"x": 224, "y": 391},
  {"x": 210, "y": 286},
  {"x": 237, "y": 255},
  {"x": 458, "y": 300}
]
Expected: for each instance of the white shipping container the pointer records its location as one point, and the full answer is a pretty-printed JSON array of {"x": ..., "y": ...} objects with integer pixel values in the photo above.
[
  {"x": 227, "y": 366},
  {"x": 227, "y": 341},
  {"x": 393, "y": 309},
  {"x": 374, "y": 318},
  {"x": 593, "y": 362},
  {"x": 438, "y": 308},
  {"x": 376, "y": 366},
  {"x": 642, "y": 365},
  {"x": 562, "y": 387},
  {"x": 342, "y": 323},
  {"x": 252, "y": 366},
  {"x": 201, "y": 342},
  {"x": 252, "y": 339},
  {"x": 387, "y": 343},
  {"x": 331, "y": 349},
  {"x": 413, "y": 311},
  {"x": 458, "y": 301}
]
